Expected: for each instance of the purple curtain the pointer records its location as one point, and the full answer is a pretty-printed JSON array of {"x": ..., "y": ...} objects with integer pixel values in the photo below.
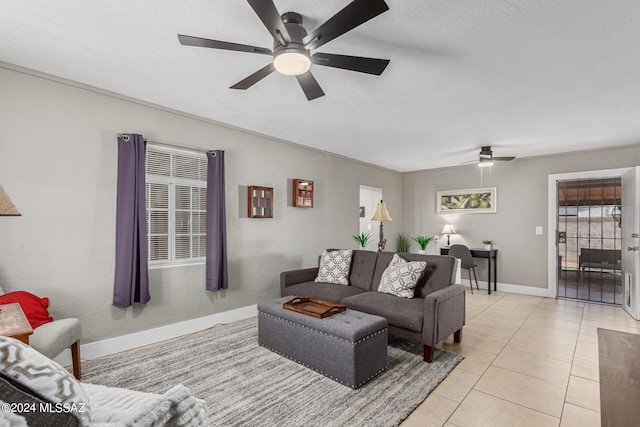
[
  {"x": 131, "y": 278},
  {"x": 216, "y": 223}
]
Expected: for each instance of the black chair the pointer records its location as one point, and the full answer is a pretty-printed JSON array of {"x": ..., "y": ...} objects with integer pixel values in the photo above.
[{"x": 466, "y": 261}]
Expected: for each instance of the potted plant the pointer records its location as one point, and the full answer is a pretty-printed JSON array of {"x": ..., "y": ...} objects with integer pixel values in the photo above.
[
  {"x": 362, "y": 239},
  {"x": 403, "y": 243},
  {"x": 487, "y": 244},
  {"x": 423, "y": 242}
]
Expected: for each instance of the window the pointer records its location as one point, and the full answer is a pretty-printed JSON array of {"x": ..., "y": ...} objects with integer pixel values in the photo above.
[{"x": 176, "y": 205}]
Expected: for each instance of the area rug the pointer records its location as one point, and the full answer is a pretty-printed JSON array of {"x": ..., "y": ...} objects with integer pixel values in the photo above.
[
  {"x": 245, "y": 384},
  {"x": 619, "y": 360}
]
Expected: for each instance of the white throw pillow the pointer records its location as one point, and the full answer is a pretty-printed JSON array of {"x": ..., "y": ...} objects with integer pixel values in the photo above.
[
  {"x": 45, "y": 377},
  {"x": 334, "y": 267},
  {"x": 401, "y": 277}
]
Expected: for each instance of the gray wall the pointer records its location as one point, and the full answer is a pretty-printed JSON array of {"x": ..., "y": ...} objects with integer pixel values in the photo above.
[
  {"x": 58, "y": 163},
  {"x": 522, "y": 188}
]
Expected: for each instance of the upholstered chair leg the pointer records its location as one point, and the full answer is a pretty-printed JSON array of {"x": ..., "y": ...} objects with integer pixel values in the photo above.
[
  {"x": 457, "y": 336},
  {"x": 470, "y": 284},
  {"x": 75, "y": 356},
  {"x": 428, "y": 354}
]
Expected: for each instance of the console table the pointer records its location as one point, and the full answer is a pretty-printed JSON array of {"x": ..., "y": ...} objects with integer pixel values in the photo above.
[{"x": 489, "y": 255}]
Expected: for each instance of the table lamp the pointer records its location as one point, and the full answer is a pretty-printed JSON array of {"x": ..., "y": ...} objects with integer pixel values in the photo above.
[
  {"x": 382, "y": 214},
  {"x": 448, "y": 230},
  {"x": 7, "y": 208}
]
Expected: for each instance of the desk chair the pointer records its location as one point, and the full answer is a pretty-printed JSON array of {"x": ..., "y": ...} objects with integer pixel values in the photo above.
[
  {"x": 466, "y": 261},
  {"x": 53, "y": 338}
]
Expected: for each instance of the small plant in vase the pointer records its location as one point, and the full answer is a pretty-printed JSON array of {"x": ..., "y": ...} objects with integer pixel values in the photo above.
[
  {"x": 423, "y": 242},
  {"x": 362, "y": 239},
  {"x": 487, "y": 244}
]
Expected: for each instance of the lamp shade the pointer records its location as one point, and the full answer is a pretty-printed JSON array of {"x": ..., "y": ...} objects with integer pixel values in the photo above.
[
  {"x": 7, "y": 208},
  {"x": 448, "y": 229},
  {"x": 382, "y": 214}
]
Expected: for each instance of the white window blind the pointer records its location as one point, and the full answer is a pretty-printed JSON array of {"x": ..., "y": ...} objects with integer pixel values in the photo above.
[{"x": 176, "y": 205}]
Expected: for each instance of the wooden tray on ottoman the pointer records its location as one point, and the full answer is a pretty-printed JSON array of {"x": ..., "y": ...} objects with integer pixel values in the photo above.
[{"x": 314, "y": 307}]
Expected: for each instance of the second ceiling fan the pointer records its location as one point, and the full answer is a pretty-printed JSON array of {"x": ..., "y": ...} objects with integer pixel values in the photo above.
[
  {"x": 486, "y": 157},
  {"x": 292, "y": 44}
]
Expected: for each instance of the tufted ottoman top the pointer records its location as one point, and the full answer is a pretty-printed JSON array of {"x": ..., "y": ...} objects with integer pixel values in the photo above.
[{"x": 350, "y": 325}]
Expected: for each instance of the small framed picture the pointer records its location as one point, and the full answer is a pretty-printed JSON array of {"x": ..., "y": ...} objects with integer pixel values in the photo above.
[{"x": 362, "y": 212}]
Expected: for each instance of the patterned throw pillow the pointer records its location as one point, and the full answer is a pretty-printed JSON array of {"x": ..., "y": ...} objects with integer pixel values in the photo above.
[
  {"x": 334, "y": 267},
  {"x": 44, "y": 377},
  {"x": 401, "y": 277}
]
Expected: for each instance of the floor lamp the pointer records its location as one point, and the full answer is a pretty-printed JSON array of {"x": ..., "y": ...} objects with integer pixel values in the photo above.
[{"x": 382, "y": 214}]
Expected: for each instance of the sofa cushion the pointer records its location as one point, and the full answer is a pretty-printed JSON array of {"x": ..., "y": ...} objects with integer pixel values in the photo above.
[
  {"x": 324, "y": 291},
  {"x": 363, "y": 265},
  {"x": 334, "y": 267},
  {"x": 401, "y": 312},
  {"x": 27, "y": 412},
  {"x": 401, "y": 276},
  {"x": 44, "y": 377},
  {"x": 438, "y": 274}
]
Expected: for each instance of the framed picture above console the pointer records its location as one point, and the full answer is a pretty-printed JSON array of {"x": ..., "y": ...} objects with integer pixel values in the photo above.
[{"x": 470, "y": 200}]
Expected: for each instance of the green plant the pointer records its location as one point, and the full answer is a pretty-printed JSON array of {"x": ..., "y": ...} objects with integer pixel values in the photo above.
[
  {"x": 362, "y": 239},
  {"x": 403, "y": 243},
  {"x": 423, "y": 241},
  {"x": 487, "y": 242}
]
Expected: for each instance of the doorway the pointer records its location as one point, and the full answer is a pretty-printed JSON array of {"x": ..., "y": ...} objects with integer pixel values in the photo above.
[
  {"x": 589, "y": 239},
  {"x": 369, "y": 198}
]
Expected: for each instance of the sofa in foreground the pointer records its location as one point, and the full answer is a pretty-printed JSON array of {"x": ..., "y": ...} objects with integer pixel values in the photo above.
[
  {"x": 371, "y": 282},
  {"x": 35, "y": 391}
]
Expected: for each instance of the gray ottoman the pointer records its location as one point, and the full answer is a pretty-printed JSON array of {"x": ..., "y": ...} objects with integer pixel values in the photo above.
[{"x": 348, "y": 347}]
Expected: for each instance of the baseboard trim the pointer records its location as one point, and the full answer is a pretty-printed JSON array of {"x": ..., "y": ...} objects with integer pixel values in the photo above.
[
  {"x": 515, "y": 289},
  {"x": 114, "y": 345}
]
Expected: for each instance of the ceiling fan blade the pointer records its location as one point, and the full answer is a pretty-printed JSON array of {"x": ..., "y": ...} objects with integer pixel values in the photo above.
[
  {"x": 310, "y": 86},
  {"x": 504, "y": 159},
  {"x": 353, "y": 63},
  {"x": 254, "y": 78},
  {"x": 469, "y": 162},
  {"x": 355, "y": 13},
  {"x": 216, "y": 44},
  {"x": 270, "y": 17}
]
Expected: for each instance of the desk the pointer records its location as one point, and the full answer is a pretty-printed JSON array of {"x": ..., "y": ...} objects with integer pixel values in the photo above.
[
  {"x": 13, "y": 322},
  {"x": 489, "y": 255}
]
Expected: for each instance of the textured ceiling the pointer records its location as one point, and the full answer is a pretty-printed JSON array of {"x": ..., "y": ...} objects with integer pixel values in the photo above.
[{"x": 529, "y": 77}]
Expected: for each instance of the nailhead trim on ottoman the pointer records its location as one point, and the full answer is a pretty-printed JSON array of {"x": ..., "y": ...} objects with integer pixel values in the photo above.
[{"x": 348, "y": 347}]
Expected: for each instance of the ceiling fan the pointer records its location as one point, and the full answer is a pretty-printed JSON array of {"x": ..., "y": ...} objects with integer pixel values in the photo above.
[
  {"x": 292, "y": 44},
  {"x": 485, "y": 158}
]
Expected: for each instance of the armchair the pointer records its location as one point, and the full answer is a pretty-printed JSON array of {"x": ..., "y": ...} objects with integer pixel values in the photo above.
[{"x": 53, "y": 338}]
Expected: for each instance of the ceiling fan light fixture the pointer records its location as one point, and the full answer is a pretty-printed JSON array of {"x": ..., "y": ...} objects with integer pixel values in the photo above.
[
  {"x": 291, "y": 63},
  {"x": 484, "y": 162}
]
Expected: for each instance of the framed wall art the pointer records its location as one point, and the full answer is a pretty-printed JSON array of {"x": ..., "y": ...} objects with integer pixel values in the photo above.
[
  {"x": 302, "y": 193},
  {"x": 260, "y": 202},
  {"x": 470, "y": 200}
]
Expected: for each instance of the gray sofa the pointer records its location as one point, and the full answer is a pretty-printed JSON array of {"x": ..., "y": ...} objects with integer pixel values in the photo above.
[{"x": 436, "y": 311}]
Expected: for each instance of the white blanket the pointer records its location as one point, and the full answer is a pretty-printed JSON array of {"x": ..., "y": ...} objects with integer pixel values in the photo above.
[{"x": 118, "y": 407}]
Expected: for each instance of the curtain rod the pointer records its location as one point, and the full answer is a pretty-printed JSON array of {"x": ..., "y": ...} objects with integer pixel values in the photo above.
[{"x": 177, "y": 147}]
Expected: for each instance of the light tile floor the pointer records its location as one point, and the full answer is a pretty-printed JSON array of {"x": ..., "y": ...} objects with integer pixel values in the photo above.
[{"x": 529, "y": 361}]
